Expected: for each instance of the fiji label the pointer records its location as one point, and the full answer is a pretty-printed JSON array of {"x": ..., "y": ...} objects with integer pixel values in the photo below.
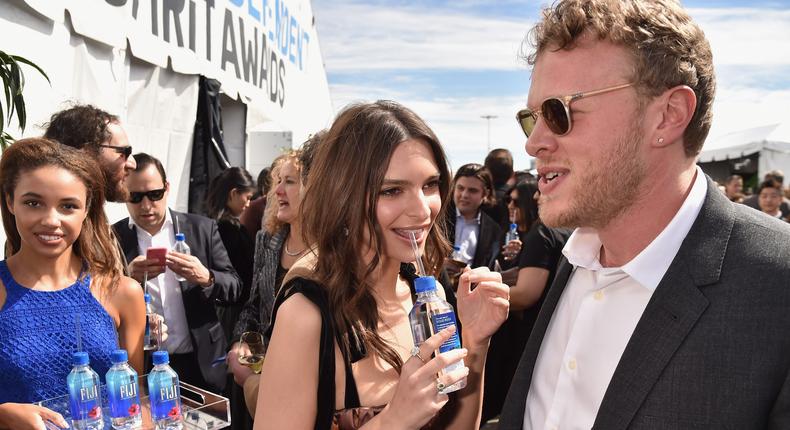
[
  {"x": 165, "y": 401},
  {"x": 441, "y": 321},
  {"x": 85, "y": 403},
  {"x": 124, "y": 401}
]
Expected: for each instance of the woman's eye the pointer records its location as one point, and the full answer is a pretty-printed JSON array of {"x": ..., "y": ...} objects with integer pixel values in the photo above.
[
  {"x": 432, "y": 184},
  {"x": 390, "y": 191},
  {"x": 32, "y": 203}
]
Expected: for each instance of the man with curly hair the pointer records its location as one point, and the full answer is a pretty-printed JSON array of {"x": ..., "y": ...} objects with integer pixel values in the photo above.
[
  {"x": 100, "y": 135},
  {"x": 670, "y": 306}
]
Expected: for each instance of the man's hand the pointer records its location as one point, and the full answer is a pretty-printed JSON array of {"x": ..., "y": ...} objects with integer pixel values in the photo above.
[
  {"x": 189, "y": 267},
  {"x": 140, "y": 265}
]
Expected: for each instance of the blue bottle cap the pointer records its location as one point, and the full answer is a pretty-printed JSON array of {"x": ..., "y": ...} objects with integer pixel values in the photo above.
[
  {"x": 147, "y": 297},
  {"x": 119, "y": 356},
  {"x": 424, "y": 283},
  {"x": 180, "y": 236},
  {"x": 161, "y": 357},
  {"x": 513, "y": 226},
  {"x": 456, "y": 248},
  {"x": 80, "y": 358}
]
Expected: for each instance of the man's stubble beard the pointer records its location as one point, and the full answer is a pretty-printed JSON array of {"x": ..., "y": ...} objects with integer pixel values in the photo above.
[{"x": 606, "y": 192}]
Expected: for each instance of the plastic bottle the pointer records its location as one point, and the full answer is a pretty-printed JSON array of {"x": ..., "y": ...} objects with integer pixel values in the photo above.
[
  {"x": 84, "y": 394},
  {"x": 122, "y": 393},
  {"x": 164, "y": 394},
  {"x": 510, "y": 236},
  {"x": 457, "y": 254},
  {"x": 430, "y": 315},
  {"x": 153, "y": 324},
  {"x": 182, "y": 247}
]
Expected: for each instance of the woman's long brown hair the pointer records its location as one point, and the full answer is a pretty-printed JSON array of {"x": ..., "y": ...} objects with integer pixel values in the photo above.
[
  {"x": 339, "y": 208},
  {"x": 95, "y": 245}
]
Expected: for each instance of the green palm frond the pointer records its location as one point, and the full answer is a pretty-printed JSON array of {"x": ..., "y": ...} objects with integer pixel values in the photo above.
[{"x": 13, "y": 84}]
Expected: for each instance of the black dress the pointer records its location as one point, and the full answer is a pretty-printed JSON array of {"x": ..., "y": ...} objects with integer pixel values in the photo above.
[{"x": 326, "y": 417}]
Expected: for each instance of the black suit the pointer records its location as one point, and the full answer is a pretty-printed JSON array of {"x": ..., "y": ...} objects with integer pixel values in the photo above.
[
  {"x": 712, "y": 348},
  {"x": 208, "y": 337},
  {"x": 488, "y": 241}
]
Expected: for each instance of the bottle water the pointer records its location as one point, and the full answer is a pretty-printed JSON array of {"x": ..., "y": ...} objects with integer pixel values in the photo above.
[
  {"x": 164, "y": 394},
  {"x": 122, "y": 393},
  {"x": 457, "y": 254},
  {"x": 430, "y": 315},
  {"x": 84, "y": 394},
  {"x": 182, "y": 247},
  {"x": 512, "y": 234},
  {"x": 153, "y": 326}
]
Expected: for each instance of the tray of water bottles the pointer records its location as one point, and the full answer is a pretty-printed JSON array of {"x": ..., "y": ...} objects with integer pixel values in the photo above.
[{"x": 200, "y": 409}]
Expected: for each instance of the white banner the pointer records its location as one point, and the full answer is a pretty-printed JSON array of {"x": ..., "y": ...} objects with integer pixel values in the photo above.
[{"x": 263, "y": 50}]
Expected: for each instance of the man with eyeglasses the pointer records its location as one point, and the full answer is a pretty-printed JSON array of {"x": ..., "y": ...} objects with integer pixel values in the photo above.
[
  {"x": 195, "y": 336},
  {"x": 100, "y": 135},
  {"x": 670, "y": 306}
]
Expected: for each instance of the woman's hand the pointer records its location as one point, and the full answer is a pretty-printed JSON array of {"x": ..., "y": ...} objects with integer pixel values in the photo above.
[
  {"x": 417, "y": 398},
  {"x": 19, "y": 416},
  {"x": 482, "y": 309},
  {"x": 511, "y": 249},
  {"x": 240, "y": 372}
]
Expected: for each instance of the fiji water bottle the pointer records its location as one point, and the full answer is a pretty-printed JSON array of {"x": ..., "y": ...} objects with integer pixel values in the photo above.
[
  {"x": 122, "y": 393},
  {"x": 153, "y": 323},
  {"x": 84, "y": 395},
  {"x": 164, "y": 394},
  {"x": 457, "y": 254},
  {"x": 430, "y": 315},
  {"x": 182, "y": 247}
]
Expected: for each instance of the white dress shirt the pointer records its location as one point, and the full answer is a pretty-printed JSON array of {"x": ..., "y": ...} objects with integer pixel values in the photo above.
[
  {"x": 165, "y": 290},
  {"x": 467, "y": 234},
  {"x": 594, "y": 321}
]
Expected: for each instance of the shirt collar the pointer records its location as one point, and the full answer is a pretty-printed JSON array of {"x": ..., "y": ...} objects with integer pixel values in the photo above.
[
  {"x": 649, "y": 266},
  {"x": 477, "y": 218},
  {"x": 168, "y": 221}
]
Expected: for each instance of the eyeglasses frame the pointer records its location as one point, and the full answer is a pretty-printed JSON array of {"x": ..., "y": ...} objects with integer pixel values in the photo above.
[
  {"x": 126, "y": 151},
  {"x": 566, "y": 103},
  {"x": 145, "y": 194}
]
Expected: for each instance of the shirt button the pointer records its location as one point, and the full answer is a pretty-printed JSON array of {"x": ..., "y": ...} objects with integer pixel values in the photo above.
[
  {"x": 572, "y": 364},
  {"x": 598, "y": 295}
]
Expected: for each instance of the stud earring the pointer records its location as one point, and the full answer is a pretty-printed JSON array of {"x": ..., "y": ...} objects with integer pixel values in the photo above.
[{"x": 660, "y": 140}]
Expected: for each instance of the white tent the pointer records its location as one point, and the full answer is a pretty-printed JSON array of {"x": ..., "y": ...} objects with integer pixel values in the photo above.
[{"x": 771, "y": 142}]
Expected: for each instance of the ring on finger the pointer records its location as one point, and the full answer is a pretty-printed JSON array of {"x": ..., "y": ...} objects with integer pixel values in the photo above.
[
  {"x": 440, "y": 386},
  {"x": 415, "y": 352}
]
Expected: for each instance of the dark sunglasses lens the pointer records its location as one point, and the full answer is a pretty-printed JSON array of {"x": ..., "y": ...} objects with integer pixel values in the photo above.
[
  {"x": 527, "y": 120},
  {"x": 135, "y": 197},
  {"x": 156, "y": 195},
  {"x": 555, "y": 115},
  {"x": 127, "y": 151}
]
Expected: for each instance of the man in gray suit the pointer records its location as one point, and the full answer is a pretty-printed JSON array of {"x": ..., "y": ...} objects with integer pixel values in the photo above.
[{"x": 671, "y": 306}]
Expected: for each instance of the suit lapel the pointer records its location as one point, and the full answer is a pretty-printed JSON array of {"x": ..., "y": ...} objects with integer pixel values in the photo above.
[
  {"x": 513, "y": 410},
  {"x": 128, "y": 241},
  {"x": 671, "y": 314}
]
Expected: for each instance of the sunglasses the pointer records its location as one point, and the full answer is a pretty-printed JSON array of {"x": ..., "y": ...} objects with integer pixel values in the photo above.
[
  {"x": 153, "y": 195},
  {"x": 126, "y": 151},
  {"x": 556, "y": 111}
]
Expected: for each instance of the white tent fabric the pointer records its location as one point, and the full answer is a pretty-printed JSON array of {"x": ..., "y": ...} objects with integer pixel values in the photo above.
[{"x": 772, "y": 142}]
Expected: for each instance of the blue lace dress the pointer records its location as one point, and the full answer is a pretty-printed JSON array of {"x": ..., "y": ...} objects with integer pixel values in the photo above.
[{"x": 38, "y": 334}]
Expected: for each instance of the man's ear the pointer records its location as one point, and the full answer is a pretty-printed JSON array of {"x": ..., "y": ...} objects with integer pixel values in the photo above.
[{"x": 675, "y": 108}]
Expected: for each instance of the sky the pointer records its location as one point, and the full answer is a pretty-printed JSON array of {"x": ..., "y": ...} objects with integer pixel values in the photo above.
[{"x": 454, "y": 61}]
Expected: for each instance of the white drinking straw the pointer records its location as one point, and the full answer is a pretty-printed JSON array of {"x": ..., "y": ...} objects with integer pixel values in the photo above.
[{"x": 417, "y": 256}]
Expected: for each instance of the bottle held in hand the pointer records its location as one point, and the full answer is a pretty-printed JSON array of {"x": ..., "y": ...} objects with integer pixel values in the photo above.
[
  {"x": 182, "y": 247},
  {"x": 153, "y": 326},
  {"x": 122, "y": 393},
  {"x": 510, "y": 236},
  {"x": 429, "y": 316},
  {"x": 84, "y": 394}
]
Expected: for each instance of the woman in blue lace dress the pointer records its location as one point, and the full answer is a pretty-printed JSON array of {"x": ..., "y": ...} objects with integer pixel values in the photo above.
[{"x": 61, "y": 287}]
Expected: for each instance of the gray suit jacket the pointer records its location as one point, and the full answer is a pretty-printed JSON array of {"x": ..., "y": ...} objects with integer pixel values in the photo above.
[{"x": 712, "y": 349}]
